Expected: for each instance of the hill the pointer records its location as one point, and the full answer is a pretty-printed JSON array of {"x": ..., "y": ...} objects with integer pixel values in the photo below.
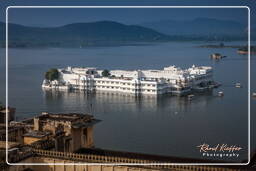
[
  {"x": 202, "y": 27},
  {"x": 109, "y": 33},
  {"x": 80, "y": 34}
]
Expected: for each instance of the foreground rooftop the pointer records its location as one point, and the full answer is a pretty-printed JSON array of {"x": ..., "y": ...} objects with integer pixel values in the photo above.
[
  {"x": 37, "y": 134},
  {"x": 64, "y": 117}
]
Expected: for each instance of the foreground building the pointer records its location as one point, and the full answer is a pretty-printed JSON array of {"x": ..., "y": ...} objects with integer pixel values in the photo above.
[
  {"x": 71, "y": 131},
  {"x": 68, "y": 139},
  {"x": 138, "y": 82},
  {"x": 59, "y": 132}
]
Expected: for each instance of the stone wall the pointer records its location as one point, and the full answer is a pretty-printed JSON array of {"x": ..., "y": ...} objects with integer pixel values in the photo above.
[
  {"x": 85, "y": 167},
  {"x": 82, "y": 167}
]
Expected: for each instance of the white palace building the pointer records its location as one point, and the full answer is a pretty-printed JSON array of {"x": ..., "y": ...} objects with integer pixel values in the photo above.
[{"x": 171, "y": 79}]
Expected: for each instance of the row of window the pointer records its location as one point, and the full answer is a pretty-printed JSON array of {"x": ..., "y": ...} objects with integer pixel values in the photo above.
[
  {"x": 120, "y": 88},
  {"x": 120, "y": 83},
  {"x": 113, "y": 82},
  {"x": 138, "y": 90}
]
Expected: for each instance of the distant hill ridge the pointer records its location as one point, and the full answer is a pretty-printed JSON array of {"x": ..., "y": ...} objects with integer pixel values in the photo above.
[
  {"x": 108, "y": 33},
  {"x": 81, "y": 34},
  {"x": 199, "y": 26}
]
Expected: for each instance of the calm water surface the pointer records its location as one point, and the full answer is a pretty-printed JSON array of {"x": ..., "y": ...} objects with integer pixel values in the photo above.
[{"x": 164, "y": 125}]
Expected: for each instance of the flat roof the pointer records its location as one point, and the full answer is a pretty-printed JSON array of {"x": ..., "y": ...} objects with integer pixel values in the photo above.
[
  {"x": 86, "y": 124},
  {"x": 10, "y": 144},
  {"x": 37, "y": 134},
  {"x": 64, "y": 117},
  {"x": 10, "y": 128}
]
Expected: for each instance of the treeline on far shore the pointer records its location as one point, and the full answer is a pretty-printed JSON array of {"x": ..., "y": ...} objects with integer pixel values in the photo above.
[{"x": 241, "y": 48}]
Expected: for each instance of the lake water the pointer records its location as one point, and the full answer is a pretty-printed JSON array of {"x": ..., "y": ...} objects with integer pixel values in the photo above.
[{"x": 164, "y": 125}]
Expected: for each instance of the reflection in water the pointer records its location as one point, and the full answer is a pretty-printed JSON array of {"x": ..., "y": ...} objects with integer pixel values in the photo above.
[
  {"x": 137, "y": 124},
  {"x": 91, "y": 102}
]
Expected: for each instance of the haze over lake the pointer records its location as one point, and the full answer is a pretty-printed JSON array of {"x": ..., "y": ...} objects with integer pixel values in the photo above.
[{"x": 164, "y": 125}]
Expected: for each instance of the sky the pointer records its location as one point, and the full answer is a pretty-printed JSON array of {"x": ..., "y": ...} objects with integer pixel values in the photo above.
[{"x": 58, "y": 17}]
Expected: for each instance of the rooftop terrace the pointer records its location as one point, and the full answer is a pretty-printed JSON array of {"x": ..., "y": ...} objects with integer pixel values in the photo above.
[
  {"x": 10, "y": 145},
  {"x": 37, "y": 134},
  {"x": 65, "y": 117}
]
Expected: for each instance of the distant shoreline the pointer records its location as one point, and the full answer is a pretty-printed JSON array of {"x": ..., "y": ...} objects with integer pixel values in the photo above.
[
  {"x": 119, "y": 44},
  {"x": 241, "y": 49},
  {"x": 218, "y": 46}
]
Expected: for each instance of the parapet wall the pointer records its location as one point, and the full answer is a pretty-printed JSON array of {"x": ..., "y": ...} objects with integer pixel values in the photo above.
[{"x": 90, "y": 158}]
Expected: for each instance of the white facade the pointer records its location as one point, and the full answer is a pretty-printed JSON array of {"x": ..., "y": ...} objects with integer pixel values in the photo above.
[{"x": 139, "y": 82}]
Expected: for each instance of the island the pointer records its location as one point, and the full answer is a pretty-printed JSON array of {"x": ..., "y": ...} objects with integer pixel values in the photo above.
[
  {"x": 171, "y": 79},
  {"x": 241, "y": 49},
  {"x": 244, "y": 50}
]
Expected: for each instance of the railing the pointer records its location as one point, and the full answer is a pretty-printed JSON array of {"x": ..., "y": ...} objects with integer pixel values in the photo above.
[{"x": 122, "y": 160}]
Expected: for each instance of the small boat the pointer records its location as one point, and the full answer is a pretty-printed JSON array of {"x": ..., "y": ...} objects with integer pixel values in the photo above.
[
  {"x": 217, "y": 56},
  {"x": 254, "y": 94},
  {"x": 200, "y": 89},
  {"x": 190, "y": 97},
  {"x": 220, "y": 93},
  {"x": 216, "y": 85},
  {"x": 238, "y": 85}
]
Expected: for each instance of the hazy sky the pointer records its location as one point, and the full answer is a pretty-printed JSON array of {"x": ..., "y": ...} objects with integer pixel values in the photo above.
[{"x": 56, "y": 17}]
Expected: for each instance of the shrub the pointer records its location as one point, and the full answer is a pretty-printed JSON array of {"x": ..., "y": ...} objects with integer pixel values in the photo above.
[
  {"x": 105, "y": 73},
  {"x": 52, "y": 74}
]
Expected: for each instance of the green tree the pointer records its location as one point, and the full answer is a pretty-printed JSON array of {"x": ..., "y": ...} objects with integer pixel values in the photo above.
[
  {"x": 105, "y": 73},
  {"x": 90, "y": 72},
  {"x": 52, "y": 74}
]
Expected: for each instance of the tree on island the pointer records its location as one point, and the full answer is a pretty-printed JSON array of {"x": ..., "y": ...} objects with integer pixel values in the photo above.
[
  {"x": 52, "y": 74},
  {"x": 90, "y": 72},
  {"x": 105, "y": 73}
]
